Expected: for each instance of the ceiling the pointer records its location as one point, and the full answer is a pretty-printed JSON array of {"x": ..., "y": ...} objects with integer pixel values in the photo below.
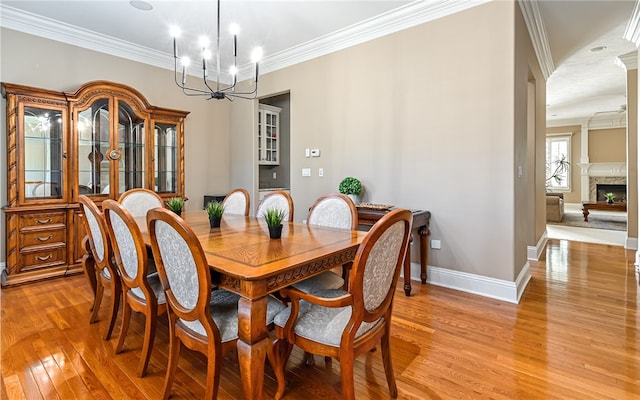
[{"x": 582, "y": 86}]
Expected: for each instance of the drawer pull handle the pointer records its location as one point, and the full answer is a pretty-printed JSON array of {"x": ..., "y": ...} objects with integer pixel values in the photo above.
[
  {"x": 43, "y": 258},
  {"x": 44, "y": 239},
  {"x": 43, "y": 221}
]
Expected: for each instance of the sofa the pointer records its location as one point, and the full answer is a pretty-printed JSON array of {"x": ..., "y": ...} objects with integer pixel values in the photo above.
[{"x": 555, "y": 207}]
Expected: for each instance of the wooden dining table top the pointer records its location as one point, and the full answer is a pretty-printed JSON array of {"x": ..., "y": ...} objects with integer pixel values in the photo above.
[{"x": 242, "y": 250}]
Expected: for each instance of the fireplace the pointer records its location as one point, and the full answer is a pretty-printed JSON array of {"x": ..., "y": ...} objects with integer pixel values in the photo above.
[{"x": 618, "y": 190}]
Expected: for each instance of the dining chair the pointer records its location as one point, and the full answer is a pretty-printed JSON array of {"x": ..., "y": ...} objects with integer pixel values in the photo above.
[
  {"x": 141, "y": 290},
  {"x": 237, "y": 202},
  {"x": 138, "y": 201},
  {"x": 107, "y": 272},
  {"x": 333, "y": 210},
  {"x": 346, "y": 323},
  {"x": 199, "y": 318},
  {"x": 277, "y": 199}
]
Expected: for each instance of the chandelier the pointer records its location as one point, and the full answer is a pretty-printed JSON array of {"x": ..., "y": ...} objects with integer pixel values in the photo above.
[{"x": 218, "y": 93}]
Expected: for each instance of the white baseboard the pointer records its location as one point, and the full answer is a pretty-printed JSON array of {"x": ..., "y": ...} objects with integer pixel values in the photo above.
[
  {"x": 534, "y": 252},
  {"x": 631, "y": 243},
  {"x": 477, "y": 284}
]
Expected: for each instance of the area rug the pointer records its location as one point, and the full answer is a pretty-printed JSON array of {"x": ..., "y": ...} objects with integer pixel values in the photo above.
[{"x": 596, "y": 221}]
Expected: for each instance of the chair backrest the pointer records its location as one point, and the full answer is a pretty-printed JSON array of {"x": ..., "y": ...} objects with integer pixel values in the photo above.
[
  {"x": 237, "y": 202},
  {"x": 97, "y": 233},
  {"x": 378, "y": 262},
  {"x": 276, "y": 199},
  {"x": 334, "y": 210},
  {"x": 139, "y": 201},
  {"x": 46, "y": 189},
  {"x": 183, "y": 268},
  {"x": 128, "y": 247}
]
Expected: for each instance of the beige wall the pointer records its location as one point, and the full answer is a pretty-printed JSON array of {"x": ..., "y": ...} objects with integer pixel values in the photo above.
[
  {"x": 632, "y": 154},
  {"x": 608, "y": 145},
  {"x": 425, "y": 118}
]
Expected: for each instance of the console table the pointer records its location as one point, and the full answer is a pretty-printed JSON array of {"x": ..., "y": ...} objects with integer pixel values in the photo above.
[
  {"x": 368, "y": 216},
  {"x": 602, "y": 206}
]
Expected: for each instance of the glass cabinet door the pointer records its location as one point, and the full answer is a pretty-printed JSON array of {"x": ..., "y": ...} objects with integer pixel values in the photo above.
[
  {"x": 43, "y": 153},
  {"x": 166, "y": 158},
  {"x": 94, "y": 142},
  {"x": 131, "y": 147}
]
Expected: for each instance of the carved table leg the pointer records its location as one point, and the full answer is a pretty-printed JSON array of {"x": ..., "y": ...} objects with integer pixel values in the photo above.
[
  {"x": 252, "y": 345},
  {"x": 424, "y": 255},
  {"x": 407, "y": 268},
  {"x": 585, "y": 213}
]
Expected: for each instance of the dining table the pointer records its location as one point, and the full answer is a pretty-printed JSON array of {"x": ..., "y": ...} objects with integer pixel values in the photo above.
[{"x": 244, "y": 260}]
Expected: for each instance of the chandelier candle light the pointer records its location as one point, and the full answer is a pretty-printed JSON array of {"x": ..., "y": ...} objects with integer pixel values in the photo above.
[{"x": 207, "y": 91}]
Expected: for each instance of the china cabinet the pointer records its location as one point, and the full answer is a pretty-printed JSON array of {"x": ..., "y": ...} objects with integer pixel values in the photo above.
[
  {"x": 100, "y": 141},
  {"x": 268, "y": 135}
]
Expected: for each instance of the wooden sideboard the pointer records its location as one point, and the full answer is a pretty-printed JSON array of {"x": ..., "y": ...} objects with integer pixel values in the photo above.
[{"x": 421, "y": 218}]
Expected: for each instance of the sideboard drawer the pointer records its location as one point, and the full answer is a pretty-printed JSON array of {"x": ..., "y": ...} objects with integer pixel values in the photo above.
[
  {"x": 42, "y": 219},
  {"x": 36, "y": 257},
  {"x": 50, "y": 236}
]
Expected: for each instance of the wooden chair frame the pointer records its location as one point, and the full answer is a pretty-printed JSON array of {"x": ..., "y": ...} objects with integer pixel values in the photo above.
[
  {"x": 148, "y": 305},
  {"x": 349, "y": 347},
  {"x": 94, "y": 274}
]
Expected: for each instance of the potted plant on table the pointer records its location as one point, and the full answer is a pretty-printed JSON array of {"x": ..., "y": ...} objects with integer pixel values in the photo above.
[
  {"x": 352, "y": 187},
  {"x": 609, "y": 196},
  {"x": 176, "y": 204},
  {"x": 274, "y": 217},
  {"x": 215, "y": 209}
]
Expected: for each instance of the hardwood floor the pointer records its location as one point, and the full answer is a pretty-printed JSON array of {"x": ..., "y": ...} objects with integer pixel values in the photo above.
[{"x": 574, "y": 335}]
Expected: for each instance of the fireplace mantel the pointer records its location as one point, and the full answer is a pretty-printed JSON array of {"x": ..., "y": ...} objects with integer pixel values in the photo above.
[{"x": 604, "y": 169}]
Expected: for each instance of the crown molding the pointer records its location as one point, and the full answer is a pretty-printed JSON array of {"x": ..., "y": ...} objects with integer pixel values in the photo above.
[
  {"x": 613, "y": 121},
  {"x": 412, "y": 14},
  {"x": 628, "y": 61},
  {"x": 48, "y": 28},
  {"x": 632, "y": 33},
  {"x": 538, "y": 34}
]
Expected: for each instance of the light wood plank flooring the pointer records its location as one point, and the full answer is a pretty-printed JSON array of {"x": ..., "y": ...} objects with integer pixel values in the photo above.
[{"x": 574, "y": 335}]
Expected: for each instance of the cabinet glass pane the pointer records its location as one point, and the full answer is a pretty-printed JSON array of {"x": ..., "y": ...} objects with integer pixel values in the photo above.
[
  {"x": 131, "y": 143},
  {"x": 43, "y": 153},
  {"x": 166, "y": 158},
  {"x": 93, "y": 147}
]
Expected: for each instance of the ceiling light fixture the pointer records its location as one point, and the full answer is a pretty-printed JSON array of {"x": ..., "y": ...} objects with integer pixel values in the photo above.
[
  {"x": 207, "y": 91},
  {"x": 141, "y": 5},
  {"x": 597, "y": 49}
]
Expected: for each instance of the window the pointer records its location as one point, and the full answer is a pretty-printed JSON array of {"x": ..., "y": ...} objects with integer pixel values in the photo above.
[{"x": 558, "y": 174}]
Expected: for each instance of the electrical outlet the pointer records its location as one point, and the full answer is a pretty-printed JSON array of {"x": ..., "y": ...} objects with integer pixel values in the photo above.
[
  {"x": 275, "y": 175},
  {"x": 320, "y": 171}
]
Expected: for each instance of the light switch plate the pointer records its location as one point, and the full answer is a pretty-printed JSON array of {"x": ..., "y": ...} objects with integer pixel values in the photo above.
[{"x": 306, "y": 171}]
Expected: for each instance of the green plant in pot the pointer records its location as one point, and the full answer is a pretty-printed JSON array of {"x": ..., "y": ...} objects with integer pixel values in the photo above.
[
  {"x": 609, "y": 196},
  {"x": 215, "y": 209},
  {"x": 176, "y": 204},
  {"x": 352, "y": 187},
  {"x": 273, "y": 217}
]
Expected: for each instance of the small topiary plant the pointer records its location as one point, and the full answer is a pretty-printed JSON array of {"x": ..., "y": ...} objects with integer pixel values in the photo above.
[{"x": 350, "y": 185}]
